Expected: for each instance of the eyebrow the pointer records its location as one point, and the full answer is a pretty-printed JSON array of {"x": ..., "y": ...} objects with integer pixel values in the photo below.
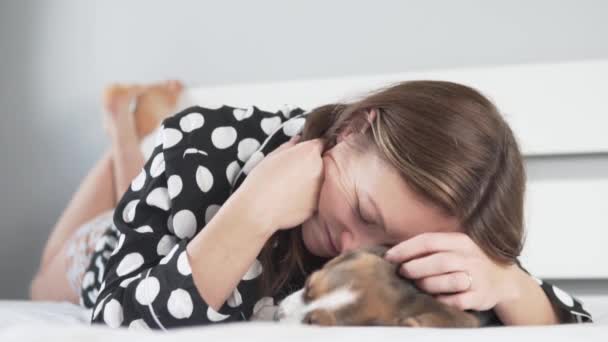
[{"x": 376, "y": 209}]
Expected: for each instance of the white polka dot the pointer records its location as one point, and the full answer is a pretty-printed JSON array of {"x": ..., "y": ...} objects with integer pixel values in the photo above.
[
  {"x": 99, "y": 306},
  {"x": 165, "y": 244},
  {"x": 211, "y": 211},
  {"x": 287, "y": 109},
  {"x": 192, "y": 150},
  {"x": 204, "y": 178},
  {"x": 171, "y": 137},
  {"x": 129, "y": 263},
  {"x": 121, "y": 241},
  {"x": 168, "y": 257},
  {"x": 139, "y": 181},
  {"x": 183, "y": 265},
  {"x": 255, "y": 158},
  {"x": 223, "y": 137},
  {"x": 147, "y": 290},
  {"x": 563, "y": 296},
  {"x": 254, "y": 271},
  {"x": 246, "y": 148},
  {"x": 159, "y": 198},
  {"x": 235, "y": 299},
  {"x": 184, "y": 224},
  {"x": 180, "y": 304},
  {"x": 191, "y": 122},
  {"x": 269, "y": 125},
  {"x": 128, "y": 213},
  {"x": 242, "y": 113},
  {"x": 158, "y": 165},
  {"x": 102, "y": 286},
  {"x": 139, "y": 324},
  {"x": 293, "y": 126},
  {"x": 232, "y": 170},
  {"x": 88, "y": 279},
  {"x": 159, "y": 136},
  {"x": 144, "y": 229},
  {"x": 175, "y": 186},
  {"x": 264, "y": 301},
  {"x": 112, "y": 314},
  {"x": 128, "y": 281},
  {"x": 215, "y": 316},
  {"x": 264, "y": 310}
]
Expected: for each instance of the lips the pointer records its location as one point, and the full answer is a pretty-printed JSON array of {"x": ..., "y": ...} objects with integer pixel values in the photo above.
[{"x": 330, "y": 242}]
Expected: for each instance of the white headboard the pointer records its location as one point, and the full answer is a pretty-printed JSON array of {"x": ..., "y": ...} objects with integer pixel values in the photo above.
[{"x": 555, "y": 109}]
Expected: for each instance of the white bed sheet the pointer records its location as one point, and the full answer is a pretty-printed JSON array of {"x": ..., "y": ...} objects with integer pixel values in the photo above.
[
  {"x": 269, "y": 332},
  {"x": 45, "y": 321}
]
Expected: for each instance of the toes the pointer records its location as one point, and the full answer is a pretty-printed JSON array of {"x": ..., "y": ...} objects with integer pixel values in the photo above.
[{"x": 174, "y": 86}]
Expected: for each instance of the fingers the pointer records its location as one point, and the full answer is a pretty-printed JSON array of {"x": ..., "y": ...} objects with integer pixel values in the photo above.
[
  {"x": 445, "y": 283},
  {"x": 427, "y": 243},
  {"x": 432, "y": 265},
  {"x": 316, "y": 144},
  {"x": 291, "y": 142},
  {"x": 462, "y": 301}
]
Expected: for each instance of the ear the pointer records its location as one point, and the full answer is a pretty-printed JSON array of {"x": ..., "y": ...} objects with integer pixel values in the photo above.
[{"x": 370, "y": 116}]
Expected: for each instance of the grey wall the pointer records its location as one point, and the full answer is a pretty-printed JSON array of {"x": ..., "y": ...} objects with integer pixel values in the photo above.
[{"x": 56, "y": 56}]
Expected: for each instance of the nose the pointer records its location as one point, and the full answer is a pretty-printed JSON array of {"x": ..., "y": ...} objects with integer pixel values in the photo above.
[{"x": 349, "y": 241}]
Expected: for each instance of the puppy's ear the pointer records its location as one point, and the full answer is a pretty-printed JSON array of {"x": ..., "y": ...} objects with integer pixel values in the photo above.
[{"x": 440, "y": 320}]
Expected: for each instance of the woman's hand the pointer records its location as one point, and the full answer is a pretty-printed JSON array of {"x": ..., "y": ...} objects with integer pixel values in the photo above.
[
  {"x": 451, "y": 267},
  {"x": 285, "y": 185}
]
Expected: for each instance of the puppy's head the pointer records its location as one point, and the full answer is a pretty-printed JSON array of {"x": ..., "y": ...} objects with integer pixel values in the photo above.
[{"x": 362, "y": 288}]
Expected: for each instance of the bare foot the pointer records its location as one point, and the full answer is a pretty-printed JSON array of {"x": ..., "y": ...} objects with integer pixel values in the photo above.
[
  {"x": 118, "y": 102},
  {"x": 156, "y": 102}
]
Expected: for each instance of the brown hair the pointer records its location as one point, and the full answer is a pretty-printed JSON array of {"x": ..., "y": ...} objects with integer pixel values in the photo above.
[{"x": 450, "y": 144}]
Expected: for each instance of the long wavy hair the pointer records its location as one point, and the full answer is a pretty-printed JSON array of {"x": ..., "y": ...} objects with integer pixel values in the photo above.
[{"x": 449, "y": 143}]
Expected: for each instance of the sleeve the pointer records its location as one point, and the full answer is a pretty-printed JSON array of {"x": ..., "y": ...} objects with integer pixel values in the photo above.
[
  {"x": 568, "y": 308},
  {"x": 148, "y": 281}
]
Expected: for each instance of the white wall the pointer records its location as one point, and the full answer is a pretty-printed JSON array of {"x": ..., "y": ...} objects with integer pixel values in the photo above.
[{"x": 56, "y": 56}]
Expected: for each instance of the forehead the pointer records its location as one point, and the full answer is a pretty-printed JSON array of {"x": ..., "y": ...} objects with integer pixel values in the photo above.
[{"x": 405, "y": 212}]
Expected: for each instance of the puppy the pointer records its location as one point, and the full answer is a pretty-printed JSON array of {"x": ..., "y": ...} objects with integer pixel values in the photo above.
[{"x": 362, "y": 288}]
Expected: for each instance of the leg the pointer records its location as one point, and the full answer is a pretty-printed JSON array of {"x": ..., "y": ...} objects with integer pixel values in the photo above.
[
  {"x": 106, "y": 182},
  {"x": 94, "y": 196}
]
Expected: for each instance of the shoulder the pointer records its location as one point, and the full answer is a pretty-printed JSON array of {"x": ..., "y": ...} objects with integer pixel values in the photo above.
[{"x": 222, "y": 127}]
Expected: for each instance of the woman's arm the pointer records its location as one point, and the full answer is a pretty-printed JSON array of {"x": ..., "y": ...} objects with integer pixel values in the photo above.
[
  {"x": 148, "y": 278},
  {"x": 227, "y": 248},
  {"x": 528, "y": 303}
]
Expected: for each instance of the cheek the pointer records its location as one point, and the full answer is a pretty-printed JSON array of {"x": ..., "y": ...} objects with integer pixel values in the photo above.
[{"x": 333, "y": 208}]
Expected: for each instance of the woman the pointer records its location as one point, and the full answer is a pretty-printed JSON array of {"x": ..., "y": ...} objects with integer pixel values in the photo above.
[{"x": 228, "y": 215}]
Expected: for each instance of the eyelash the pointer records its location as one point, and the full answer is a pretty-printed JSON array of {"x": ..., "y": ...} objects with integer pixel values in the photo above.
[{"x": 361, "y": 215}]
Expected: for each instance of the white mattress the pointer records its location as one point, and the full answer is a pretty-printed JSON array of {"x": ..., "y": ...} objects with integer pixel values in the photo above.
[{"x": 35, "y": 321}]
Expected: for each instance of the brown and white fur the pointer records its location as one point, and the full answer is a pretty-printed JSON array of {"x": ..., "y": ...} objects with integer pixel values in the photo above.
[{"x": 362, "y": 288}]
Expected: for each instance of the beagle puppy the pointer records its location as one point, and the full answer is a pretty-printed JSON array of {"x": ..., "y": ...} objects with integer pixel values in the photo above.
[{"x": 362, "y": 288}]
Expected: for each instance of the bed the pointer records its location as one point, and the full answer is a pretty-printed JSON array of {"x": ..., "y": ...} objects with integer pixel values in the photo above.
[
  {"x": 557, "y": 200},
  {"x": 41, "y": 321}
]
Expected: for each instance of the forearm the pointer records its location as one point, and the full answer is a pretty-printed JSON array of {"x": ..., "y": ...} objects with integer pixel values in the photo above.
[
  {"x": 222, "y": 252},
  {"x": 529, "y": 305},
  {"x": 127, "y": 162}
]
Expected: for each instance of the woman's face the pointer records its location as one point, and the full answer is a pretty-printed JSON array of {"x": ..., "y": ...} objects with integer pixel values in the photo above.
[{"x": 364, "y": 202}]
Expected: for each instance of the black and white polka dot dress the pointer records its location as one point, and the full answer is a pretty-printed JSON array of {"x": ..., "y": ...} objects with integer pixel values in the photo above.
[{"x": 139, "y": 275}]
